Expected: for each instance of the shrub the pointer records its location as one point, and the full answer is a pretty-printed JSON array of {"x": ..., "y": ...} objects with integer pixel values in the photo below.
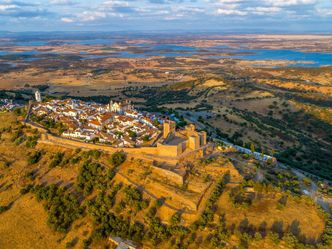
[
  {"x": 26, "y": 189},
  {"x": 176, "y": 218},
  {"x": 93, "y": 175},
  {"x": 62, "y": 206},
  {"x": 106, "y": 222},
  {"x": 4, "y": 208},
  {"x": 208, "y": 213},
  {"x": 57, "y": 159},
  {"x": 34, "y": 157},
  {"x": 32, "y": 142},
  {"x": 134, "y": 198},
  {"x": 96, "y": 154},
  {"x": 118, "y": 158}
]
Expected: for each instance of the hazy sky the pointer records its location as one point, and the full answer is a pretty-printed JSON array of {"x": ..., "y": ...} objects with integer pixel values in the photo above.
[{"x": 99, "y": 15}]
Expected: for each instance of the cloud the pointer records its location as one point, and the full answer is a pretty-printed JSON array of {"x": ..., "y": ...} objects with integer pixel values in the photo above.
[
  {"x": 17, "y": 9},
  {"x": 62, "y": 2},
  {"x": 264, "y": 10},
  {"x": 324, "y": 12},
  {"x": 4, "y": 7},
  {"x": 88, "y": 16},
  {"x": 67, "y": 20},
  {"x": 151, "y": 13},
  {"x": 231, "y": 12},
  {"x": 290, "y": 2}
]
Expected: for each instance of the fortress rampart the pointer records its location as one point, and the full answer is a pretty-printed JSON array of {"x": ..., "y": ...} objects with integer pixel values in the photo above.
[
  {"x": 168, "y": 175},
  {"x": 163, "y": 149},
  {"x": 69, "y": 142}
]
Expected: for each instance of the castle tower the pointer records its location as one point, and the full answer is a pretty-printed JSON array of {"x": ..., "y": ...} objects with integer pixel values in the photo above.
[
  {"x": 193, "y": 142},
  {"x": 38, "y": 96},
  {"x": 169, "y": 128},
  {"x": 203, "y": 138}
]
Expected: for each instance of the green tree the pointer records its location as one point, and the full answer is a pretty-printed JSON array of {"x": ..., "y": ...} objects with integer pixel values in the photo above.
[{"x": 118, "y": 158}]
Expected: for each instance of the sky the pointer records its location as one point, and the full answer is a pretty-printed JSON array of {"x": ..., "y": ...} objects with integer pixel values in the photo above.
[{"x": 152, "y": 15}]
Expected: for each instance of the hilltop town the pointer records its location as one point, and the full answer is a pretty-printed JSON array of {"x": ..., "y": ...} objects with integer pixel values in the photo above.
[{"x": 117, "y": 124}]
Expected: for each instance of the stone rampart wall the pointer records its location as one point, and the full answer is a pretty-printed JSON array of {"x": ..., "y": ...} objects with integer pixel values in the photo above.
[
  {"x": 168, "y": 175},
  {"x": 69, "y": 142}
]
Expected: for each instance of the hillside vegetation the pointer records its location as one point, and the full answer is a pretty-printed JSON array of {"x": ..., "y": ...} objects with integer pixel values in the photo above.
[{"x": 76, "y": 199}]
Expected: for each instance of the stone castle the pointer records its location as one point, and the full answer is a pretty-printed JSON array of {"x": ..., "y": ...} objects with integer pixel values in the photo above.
[{"x": 177, "y": 142}]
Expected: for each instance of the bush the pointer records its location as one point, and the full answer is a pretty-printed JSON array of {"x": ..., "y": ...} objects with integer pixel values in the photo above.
[
  {"x": 26, "y": 189},
  {"x": 20, "y": 111},
  {"x": 107, "y": 223},
  {"x": 327, "y": 235},
  {"x": 208, "y": 213},
  {"x": 93, "y": 175},
  {"x": 57, "y": 159},
  {"x": 4, "y": 208},
  {"x": 146, "y": 138},
  {"x": 176, "y": 218},
  {"x": 34, "y": 157},
  {"x": 157, "y": 232},
  {"x": 96, "y": 154},
  {"x": 62, "y": 206},
  {"x": 134, "y": 198},
  {"x": 118, "y": 158},
  {"x": 32, "y": 142}
]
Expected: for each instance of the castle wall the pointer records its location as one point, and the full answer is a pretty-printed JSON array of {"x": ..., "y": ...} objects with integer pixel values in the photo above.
[
  {"x": 162, "y": 150},
  {"x": 73, "y": 143},
  {"x": 168, "y": 175},
  {"x": 169, "y": 150}
]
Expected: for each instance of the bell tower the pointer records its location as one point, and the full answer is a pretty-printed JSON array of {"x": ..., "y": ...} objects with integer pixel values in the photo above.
[{"x": 38, "y": 96}]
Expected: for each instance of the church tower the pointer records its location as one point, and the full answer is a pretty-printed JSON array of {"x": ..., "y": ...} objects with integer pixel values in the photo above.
[
  {"x": 110, "y": 105},
  {"x": 38, "y": 96}
]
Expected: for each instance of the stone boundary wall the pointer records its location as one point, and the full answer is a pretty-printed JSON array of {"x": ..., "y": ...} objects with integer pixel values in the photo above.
[
  {"x": 168, "y": 175},
  {"x": 159, "y": 150},
  {"x": 64, "y": 141},
  {"x": 164, "y": 152}
]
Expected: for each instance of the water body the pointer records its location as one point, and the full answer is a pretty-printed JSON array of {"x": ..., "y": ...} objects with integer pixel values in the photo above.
[
  {"x": 315, "y": 59},
  {"x": 305, "y": 59},
  {"x": 91, "y": 42},
  {"x": 311, "y": 59},
  {"x": 23, "y": 43},
  {"x": 31, "y": 52},
  {"x": 167, "y": 50},
  {"x": 174, "y": 47}
]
